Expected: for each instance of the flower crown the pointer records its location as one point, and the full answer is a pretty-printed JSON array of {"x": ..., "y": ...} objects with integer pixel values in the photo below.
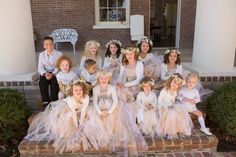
[
  {"x": 92, "y": 42},
  {"x": 172, "y": 50},
  {"x": 78, "y": 82},
  {"x": 103, "y": 73},
  {"x": 175, "y": 76},
  {"x": 113, "y": 41},
  {"x": 130, "y": 48},
  {"x": 146, "y": 40}
]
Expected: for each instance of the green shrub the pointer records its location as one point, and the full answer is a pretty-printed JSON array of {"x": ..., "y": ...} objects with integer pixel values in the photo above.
[
  {"x": 221, "y": 108},
  {"x": 13, "y": 115}
]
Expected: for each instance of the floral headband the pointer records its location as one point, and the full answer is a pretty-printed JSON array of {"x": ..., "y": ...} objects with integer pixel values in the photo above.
[
  {"x": 130, "y": 48},
  {"x": 151, "y": 82},
  {"x": 172, "y": 50},
  {"x": 146, "y": 40},
  {"x": 113, "y": 41},
  {"x": 92, "y": 42},
  {"x": 103, "y": 73},
  {"x": 77, "y": 82},
  {"x": 177, "y": 77}
]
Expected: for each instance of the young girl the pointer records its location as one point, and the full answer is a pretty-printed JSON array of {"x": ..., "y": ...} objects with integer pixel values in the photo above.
[
  {"x": 147, "y": 102},
  {"x": 171, "y": 64},
  {"x": 131, "y": 72},
  {"x": 61, "y": 119},
  {"x": 91, "y": 51},
  {"x": 118, "y": 129},
  {"x": 152, "y": 65},
  {"x": 189, "y": 96},
  {"x": 173, "y": 118},
  {"x": 65, "y": 76},
  {"x": 113, "y": 58}
]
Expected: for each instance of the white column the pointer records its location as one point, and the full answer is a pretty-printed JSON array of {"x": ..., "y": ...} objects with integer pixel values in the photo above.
[
  {"x": 17, "y": 52},
  {"x": 215, "y": 36}
]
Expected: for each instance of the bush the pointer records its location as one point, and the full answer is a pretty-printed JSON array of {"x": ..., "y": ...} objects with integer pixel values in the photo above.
[
  {"x": 221, "y": 108},
  {"x": 13, "y": 115}
]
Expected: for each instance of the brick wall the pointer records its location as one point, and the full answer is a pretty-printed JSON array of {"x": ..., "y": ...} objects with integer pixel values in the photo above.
[
  {"x": 188, "y": 13},
  {"x": 48, "y": 15}
]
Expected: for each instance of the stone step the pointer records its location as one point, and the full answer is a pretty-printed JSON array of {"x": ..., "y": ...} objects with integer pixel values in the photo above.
[{"x": 196, "y": 142}]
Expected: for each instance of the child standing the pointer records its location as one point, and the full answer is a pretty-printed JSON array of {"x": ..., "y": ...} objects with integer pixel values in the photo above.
[
  {"x": 91, "y": 51},
  {"x": 147, "y": 102},
  {"x": 151, "y": 64},
  {"x": 47, "y": 70},
  {"x": 65, "y": 76},
  {"x": 171, "y": 64},
  {"x": 173, "y": 118},
  {"x": 189, "y": 96},
  {"x": 113, "y": 58},
  {"x": 88, "y": 73}
]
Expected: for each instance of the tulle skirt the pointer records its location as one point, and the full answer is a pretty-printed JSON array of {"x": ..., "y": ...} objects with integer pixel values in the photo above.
[
  {"x": 152, "y": 70},
  {"x": 174, "y": 120},
  {"x": 56, "y": 124}
]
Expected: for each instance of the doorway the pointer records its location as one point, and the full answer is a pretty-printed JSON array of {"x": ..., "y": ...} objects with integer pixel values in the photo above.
[{"x": 164, "y": 22}]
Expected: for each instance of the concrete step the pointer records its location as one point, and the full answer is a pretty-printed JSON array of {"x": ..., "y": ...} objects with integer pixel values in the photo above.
[{"x": 196, "y": 142}]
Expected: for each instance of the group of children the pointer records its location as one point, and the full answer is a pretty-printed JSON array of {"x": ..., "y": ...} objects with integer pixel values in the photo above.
[{"x": 124, "y": 101}]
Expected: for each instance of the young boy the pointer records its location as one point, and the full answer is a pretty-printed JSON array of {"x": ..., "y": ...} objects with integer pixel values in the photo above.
[
  {"x": 189, "y": 96},
  {"x": 47, "y": 70},
  {"x": 88, "y": 74}
]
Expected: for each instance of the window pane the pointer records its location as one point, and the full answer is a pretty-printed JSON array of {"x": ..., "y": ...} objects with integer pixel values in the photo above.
[
  {"x": 112, "y": 15},
  {"x": 103, "y": 15},
  {"x": 121, "y": 15},
  {"x": 102, "y": 3},
  {"x": 121, "y": 3},
  {"x": 112, "y": 3}
]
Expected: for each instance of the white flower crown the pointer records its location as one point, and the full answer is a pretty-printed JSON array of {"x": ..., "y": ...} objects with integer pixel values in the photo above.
[
  {"x": 113, "y": 41},
  {"x": 78, "y": 81},
  {"x": 135, "y": 49},
  {"x": 146, "y": 40},
  {"x": 172, "y": 50},
  {"x": 92, "y": 42}
]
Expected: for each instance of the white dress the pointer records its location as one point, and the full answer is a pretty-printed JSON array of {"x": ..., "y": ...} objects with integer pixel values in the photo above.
[
  {"x": 64, "y": 79},
  {"x": 173, "y": 118},
  {"x": 113, "y": 65},
  {"x": 59, "y": 122},
  {"x": 166, "y": 73},
  {"x": 147, "y": 118},
  {"x": 193, "y": 94},
  {"x": 117, "y": 129},
  {"x": 151, "y": 67}
]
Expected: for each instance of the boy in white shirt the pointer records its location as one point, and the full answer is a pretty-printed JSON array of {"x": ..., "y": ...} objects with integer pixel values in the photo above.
[{"x": 47, "y": 70}]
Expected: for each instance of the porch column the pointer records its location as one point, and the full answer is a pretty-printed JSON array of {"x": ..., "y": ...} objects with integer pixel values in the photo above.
[
  {"x": 215, "y": 36},
  {"x": 17, "y": 51}
]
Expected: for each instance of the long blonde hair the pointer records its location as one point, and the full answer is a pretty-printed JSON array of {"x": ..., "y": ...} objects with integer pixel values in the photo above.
[{"x": 88, "y": 45}]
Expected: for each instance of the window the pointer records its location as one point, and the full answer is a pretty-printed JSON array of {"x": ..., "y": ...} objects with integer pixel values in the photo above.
[{"x": 112, "y": 14}]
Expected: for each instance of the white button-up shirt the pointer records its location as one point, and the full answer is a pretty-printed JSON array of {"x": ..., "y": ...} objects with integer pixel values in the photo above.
[{"x": 47, "y": 63}]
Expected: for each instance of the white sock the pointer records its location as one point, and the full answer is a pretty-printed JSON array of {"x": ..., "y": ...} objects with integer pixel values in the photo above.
[{"x": 201, "y": 122}]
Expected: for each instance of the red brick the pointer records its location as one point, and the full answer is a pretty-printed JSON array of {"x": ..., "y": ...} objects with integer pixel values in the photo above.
[
  {"x": 197, "y": 155},
  {"x": 169, "y": 155},
  {"x": 207, "y": 154},
  {"x": 179, "y": 155},
  {"x": 204, "y": 139},
  {"x": 188, "y": 155}
]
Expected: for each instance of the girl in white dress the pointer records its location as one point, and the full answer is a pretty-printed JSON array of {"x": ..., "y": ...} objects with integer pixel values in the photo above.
[
  {"x": 65, "y": 76},
  {"x": 147, "y": 103},
  {"x": 61, "y": 119},
  {"x": 152, "y": 65},
  {"x": 172, "y": 64},
  {"x": 110, "y": 114},
  {"x": 91, "y": 51},
  {"x": 113, "y": 58},
  {"x": 188, "y": 97},
  {"x": 173, "y": 118}
]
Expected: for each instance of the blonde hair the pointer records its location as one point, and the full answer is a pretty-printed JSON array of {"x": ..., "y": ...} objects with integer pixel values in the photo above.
[
  {"x": 62, "y": 58},
  {"x": 176, "y": 76},
  {"x": 81, "y": 83},
  {"x": 88, "y": 45},
  {"x": 192, "y": 75},
  {"x": 104, "y": 73},
  {"x": 146, "y": 80}
]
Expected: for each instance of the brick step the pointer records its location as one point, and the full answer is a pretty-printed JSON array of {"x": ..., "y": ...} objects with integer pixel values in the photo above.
[{"x": 196, "y": 142}]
